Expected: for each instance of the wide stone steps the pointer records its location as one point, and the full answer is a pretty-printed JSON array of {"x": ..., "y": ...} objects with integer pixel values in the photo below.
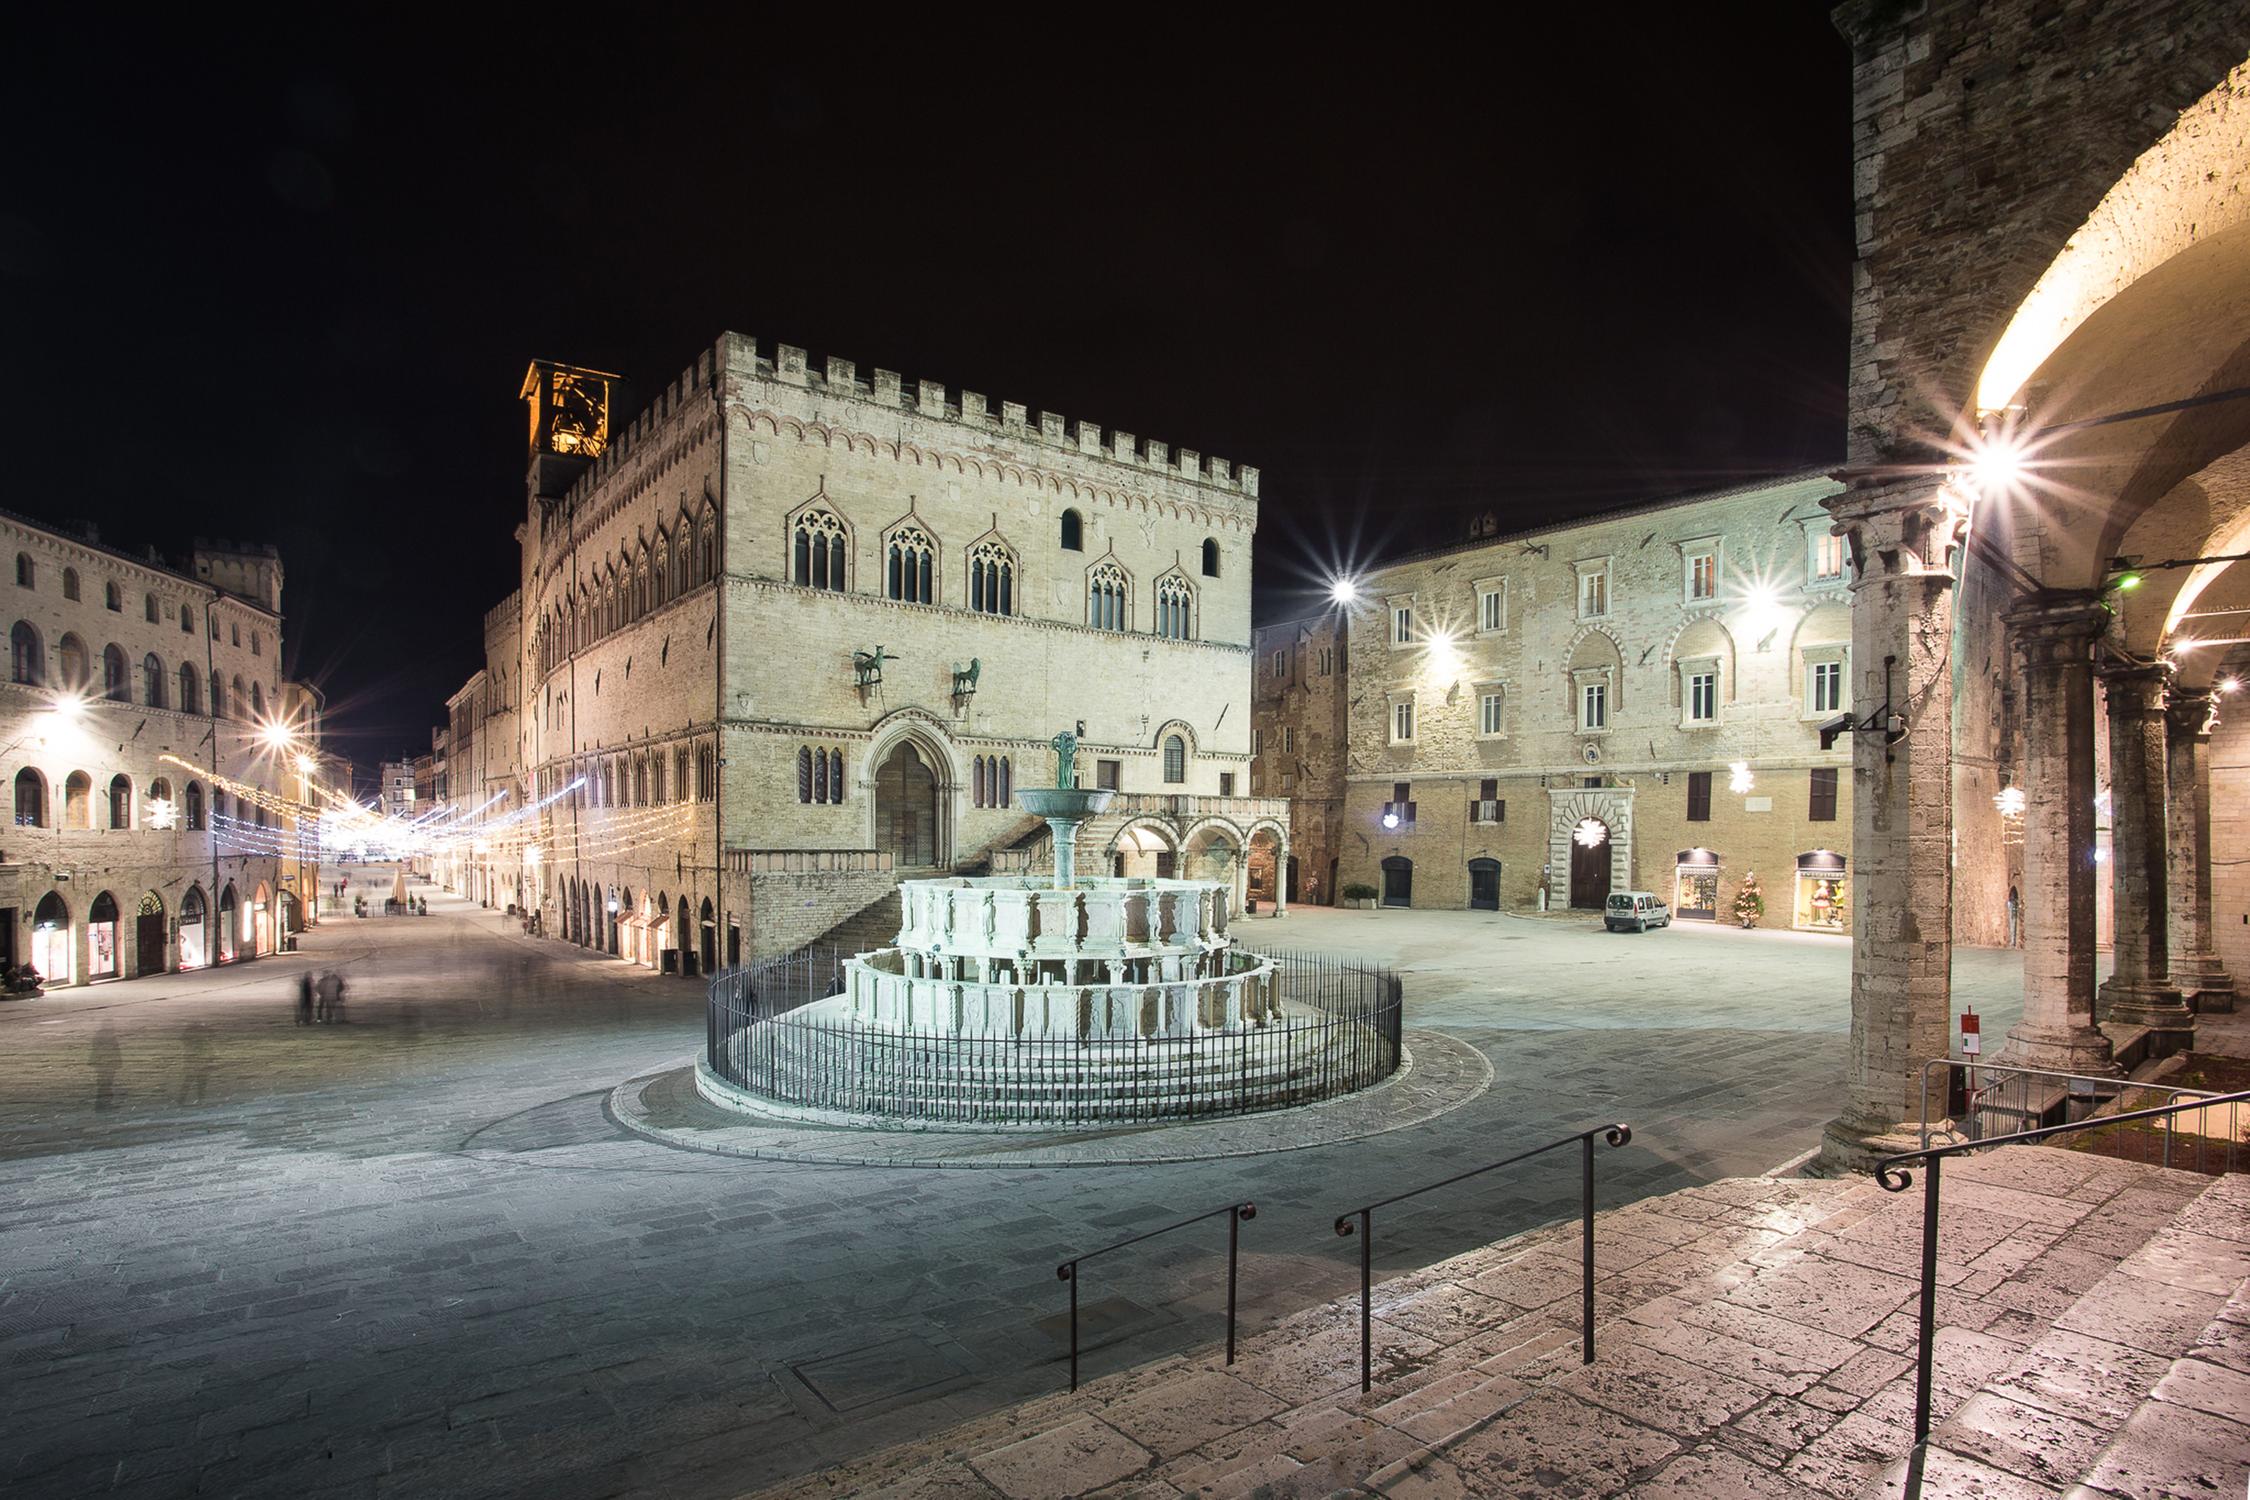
[
  {"x": 2140, "y": 1389},
  {"x": 1755, "y": 1338}
]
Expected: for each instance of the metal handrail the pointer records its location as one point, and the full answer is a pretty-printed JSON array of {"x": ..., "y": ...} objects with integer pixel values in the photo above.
[
  {"x": 2098, "y": 1085},
  {"x": 1616, "y": 1135},
  {"x": 1236, "y": 1213},
  {"x": 1894, "y": 1178}
]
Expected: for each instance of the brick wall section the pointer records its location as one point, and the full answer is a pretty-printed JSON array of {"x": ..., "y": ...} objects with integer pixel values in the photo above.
[{"x": 1299, "y": 674}]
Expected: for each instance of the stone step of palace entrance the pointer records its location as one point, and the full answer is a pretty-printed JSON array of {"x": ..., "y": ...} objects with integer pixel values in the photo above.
[{"x": 1755, "y": 1337}]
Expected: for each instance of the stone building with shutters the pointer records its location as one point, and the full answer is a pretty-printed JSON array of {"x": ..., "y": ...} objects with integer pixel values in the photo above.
[
  {"x": 154, "y": 819},
  {"x": 1629, "y": 702},
  {"x": 797, "y": 630},
  {"x": 1297, "y": 743}
]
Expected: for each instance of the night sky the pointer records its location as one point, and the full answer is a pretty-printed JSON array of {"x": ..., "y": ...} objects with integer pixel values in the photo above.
[{"x": 281, "y": 284}]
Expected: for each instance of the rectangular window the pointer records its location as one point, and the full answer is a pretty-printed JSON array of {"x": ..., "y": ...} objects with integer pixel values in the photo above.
[
  {"x": 1105, "y": 774},
  {"x": 1399, "y": 811},
  {"x": 1593, "y": 593},
  {"x": 1279, "y": 660},
  {"x": 1288, "y": 781},
  {"x": 1327, "y": 660},
  {"x": 1226, "y": 783},
  {"x": 1703, "y": 576},
  {"x": 1593, "y": 706},
  {"x": 1257, "y": 742},
  {"x": 1487, "y": 806},
  {"x": 1703, "y": 697},
  {"x": 1827, "y": 687},
  {"x": 1288, "y": 738},
  {"x": 1402, "y": 624},
  {"x": 1492, "y": 608},
  {"x": 1402, "y": 721},
  {"x": 1699, "y": 796},
  {"x": 1828, "y": 556},
  {"x": 1488, "y": 713},
  {"x": 1823, "y": 808}
]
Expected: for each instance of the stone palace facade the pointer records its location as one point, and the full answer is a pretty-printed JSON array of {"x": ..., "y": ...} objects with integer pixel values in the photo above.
[
  {"x": 155, "y": 823},
  {"x": 798, "y": 630}
]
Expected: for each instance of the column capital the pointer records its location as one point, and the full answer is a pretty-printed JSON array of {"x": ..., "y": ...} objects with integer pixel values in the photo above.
[
  {"x": 2133, "y": 689},
  {"x": 2190, "y": 713},
  {"x": 1900, "y": 525},
  {"x": 2057, "y": 627}
]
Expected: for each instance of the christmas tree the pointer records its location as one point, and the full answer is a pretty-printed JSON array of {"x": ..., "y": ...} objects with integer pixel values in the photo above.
[{"x": 1749, "y": 901}]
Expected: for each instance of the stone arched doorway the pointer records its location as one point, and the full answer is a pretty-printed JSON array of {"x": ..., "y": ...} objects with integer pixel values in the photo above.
[
  {"x": 1589, "y": 865},
  {"x": 1484, "y": 885},
  {"x": 906, "y": 807},
  {"x": 1398, "y": 880},
  {"x": 149, "y": 936}
]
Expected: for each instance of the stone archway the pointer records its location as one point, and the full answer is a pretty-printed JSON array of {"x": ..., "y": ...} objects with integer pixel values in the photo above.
[
  {"x": 1609, "y": 807},
  {"x": 907, "y": 825}
]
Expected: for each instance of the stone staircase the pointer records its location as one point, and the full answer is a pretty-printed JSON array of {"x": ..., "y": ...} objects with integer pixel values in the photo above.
[
  {"x": 1755, "y": 1338},
  {"x": 876, "y": 924}
]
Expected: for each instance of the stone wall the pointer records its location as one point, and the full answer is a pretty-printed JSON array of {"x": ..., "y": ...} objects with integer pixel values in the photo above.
[{"x": 1299, "y": 677}]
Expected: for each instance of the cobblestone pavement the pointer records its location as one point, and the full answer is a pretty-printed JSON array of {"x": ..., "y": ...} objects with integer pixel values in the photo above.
[{"x": 411, "y": 1254}]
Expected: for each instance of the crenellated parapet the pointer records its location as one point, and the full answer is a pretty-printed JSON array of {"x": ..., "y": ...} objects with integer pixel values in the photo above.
[{"x": 978, "y": 421}]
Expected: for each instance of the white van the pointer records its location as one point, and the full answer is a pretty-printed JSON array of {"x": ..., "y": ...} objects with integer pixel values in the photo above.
[{"x": 1635, "y": 911}]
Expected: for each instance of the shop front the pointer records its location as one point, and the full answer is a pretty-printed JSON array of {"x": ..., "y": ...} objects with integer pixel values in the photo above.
[
  {"x": 1695, "y": 886},
  {"x": 1822, "y": 893},
  {"x": 50, "y": 941},
  {"x": 101, "y": 938},
  {"x": 195, "y": 949}
]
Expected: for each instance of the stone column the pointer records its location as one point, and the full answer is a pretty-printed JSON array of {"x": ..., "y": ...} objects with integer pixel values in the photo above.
[
  {"x": 1281, "y": 879},
  {"x": 2138, "y": 991},
  {"x": 2055, "y": 637},
  {"x": 1900, "y": 533},
  {"x": 2194, "y": 961}
]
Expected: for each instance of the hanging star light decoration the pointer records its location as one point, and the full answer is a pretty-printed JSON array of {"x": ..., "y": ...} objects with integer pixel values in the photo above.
[
  {"x": 2009, "y": 799},
  {"x": 1738, "y": 776},
  {"x": 1590, "y": 833},
  {"x": 162, "y": 813}
]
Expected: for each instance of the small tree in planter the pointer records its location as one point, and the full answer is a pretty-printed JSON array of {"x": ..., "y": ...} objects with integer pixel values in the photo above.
[
  {"x": 1361, "y": 895},
  {"x": 1749, "y": 901}
]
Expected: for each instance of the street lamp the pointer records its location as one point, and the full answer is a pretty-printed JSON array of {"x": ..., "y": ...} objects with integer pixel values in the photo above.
[{"x": 1344, "y": 591}]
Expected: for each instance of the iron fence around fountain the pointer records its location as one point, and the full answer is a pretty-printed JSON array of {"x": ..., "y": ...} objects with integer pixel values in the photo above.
[{"x": 1338, "y": 1030}]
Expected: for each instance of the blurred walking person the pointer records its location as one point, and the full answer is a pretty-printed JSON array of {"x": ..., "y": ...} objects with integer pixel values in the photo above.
[{"x": 305, "y": 998}]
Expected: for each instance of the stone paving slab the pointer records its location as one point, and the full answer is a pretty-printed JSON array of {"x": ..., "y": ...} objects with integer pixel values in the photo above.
[
  {"x": 1437, "y": 1073},
  {"x": 1764, "y": 1377}
]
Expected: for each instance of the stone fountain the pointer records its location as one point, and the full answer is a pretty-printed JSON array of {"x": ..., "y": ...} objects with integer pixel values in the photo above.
[{"x": 1065, "y": 806}]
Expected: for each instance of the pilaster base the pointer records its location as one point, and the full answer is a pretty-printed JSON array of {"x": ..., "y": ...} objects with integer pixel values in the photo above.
[
  {"x": 2062, "y": 1050},
  {"x": 1848, "y": 1150},
  {"x": 2204, "y": 983},
  {"x": 2157, "y": 1006}
]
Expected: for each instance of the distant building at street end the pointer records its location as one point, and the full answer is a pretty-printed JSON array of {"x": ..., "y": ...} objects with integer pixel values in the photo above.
[
  {"x": 1298, "y": 726},
  {"x": 398, "y": 789}
]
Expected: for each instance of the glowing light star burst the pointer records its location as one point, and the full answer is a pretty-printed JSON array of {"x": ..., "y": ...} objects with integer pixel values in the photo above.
[
  {"x": 2009, "y": 799},
  {"x": 162, "y": 813},
  {"x": 1738, "y": 776},
  {"x": 1590, "y": 833}
]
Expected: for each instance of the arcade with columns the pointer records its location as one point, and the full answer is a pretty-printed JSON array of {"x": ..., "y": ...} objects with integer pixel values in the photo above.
[{"x": 2047, "y": 503}]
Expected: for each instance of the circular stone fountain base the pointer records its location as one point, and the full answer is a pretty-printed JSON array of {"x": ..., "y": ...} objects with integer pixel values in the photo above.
[{"x": 1437, "y": 1073}]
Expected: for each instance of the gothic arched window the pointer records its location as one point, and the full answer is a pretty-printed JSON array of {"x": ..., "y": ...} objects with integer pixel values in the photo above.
[
  {"x": 817, "y": 551},
  {"x": 1106, "y": 598},
  {"x": 191, "y": 700},
  {"x": 908, "y": 567},
  {"x": 1175, "y": 608},
  {"x": 1073, "y": 532},
  {"x": 1210, "y": 558},
  {"x": 152, "y": 680},
  {"x": 992, "y": 579},
  {"x": 115, "y": 683}
]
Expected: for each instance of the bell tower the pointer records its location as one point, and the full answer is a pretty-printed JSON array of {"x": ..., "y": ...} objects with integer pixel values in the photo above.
[{"x": 569, "y": 409}]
